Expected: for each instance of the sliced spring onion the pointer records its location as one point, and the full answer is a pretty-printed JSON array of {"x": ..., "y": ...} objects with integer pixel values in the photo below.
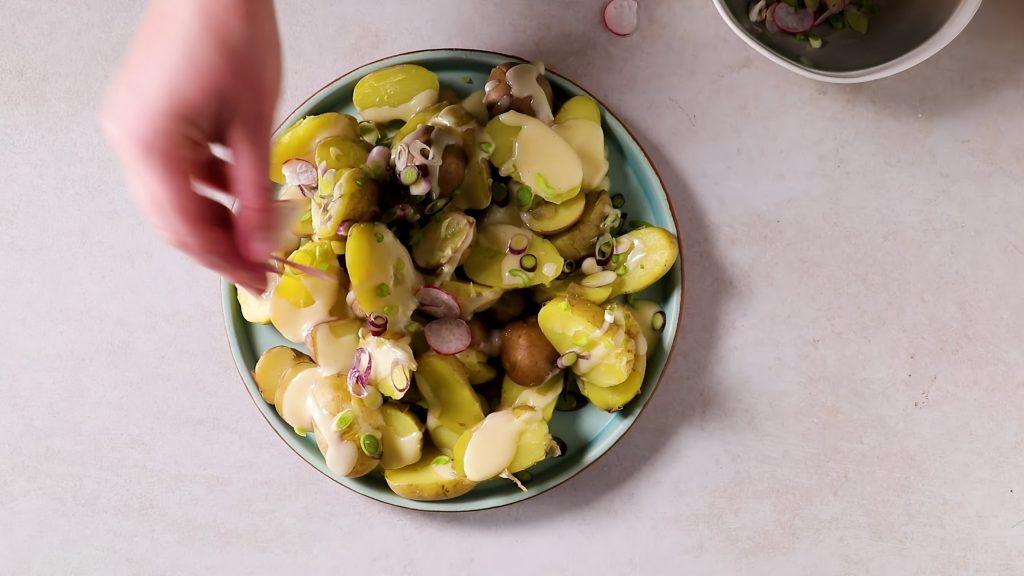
[
  {"x": 487, "y": 147},
  {"x": 520, "y": 275},
  {"x": 567, "y": 359},
  {"x": 524, "y": 196},
  {"x": 368, "y": 131},
  {"x": 370, "y": 444},
  {"x": 409, "y": 175},
  {"x": 618, "y": 201},
  {"x": 383, "y": 290},
  {"x": 622, "y": 270},
  {"x": 441, "y": 460},
  {"x": 658, "y": 321},
  {"x": 604, "y": 249},
  {"x": 580, "y": 338},
  {"x": 499, "y": 193},
  {"x": 814, "y": 41},
  {"x": 343, "y": 420},
  {"x": 528, "y": 262}
]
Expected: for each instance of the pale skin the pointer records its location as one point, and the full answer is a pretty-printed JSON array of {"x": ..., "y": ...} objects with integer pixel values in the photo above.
[{"x": 202, "y": 72}]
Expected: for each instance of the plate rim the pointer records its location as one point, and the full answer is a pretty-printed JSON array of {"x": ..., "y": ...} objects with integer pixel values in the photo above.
[{"x": 227, "y": 293}]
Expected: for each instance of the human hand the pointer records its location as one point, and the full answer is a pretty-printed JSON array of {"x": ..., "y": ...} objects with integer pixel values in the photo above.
[{"x": 202, "y": 73}]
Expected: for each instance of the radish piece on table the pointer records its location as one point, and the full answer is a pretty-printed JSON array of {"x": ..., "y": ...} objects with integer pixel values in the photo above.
[{"x": 620, "y": 17}]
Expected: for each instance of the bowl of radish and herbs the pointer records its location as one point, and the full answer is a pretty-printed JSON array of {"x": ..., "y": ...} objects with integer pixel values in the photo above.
[
  {"x": 460, "y": 279},
  {"x": 847, "y": 40}
]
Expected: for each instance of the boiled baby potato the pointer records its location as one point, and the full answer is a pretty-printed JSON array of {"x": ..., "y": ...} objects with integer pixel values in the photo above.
[
  {"x": 526, "y": 354},
  {"x": 255, "y": 307},
  {"x": 574, "y": 324},
  {"x": 395, "y": 93},
  {"x": 566, "y": 287},
  {"x": 333, "y": 344},
  {"x": 613, "y": 398},
  {"x": 300, "y": 300},
  {"x": 348, "y": 429},
  {"x": 578, "y": 241},
  {"x": 547, "y": 218},
  {"x": 402, "y": 436},
  {"x": 505, "y": 442},
  {"x": 338, "y": 153},
  {"x": 535, "y": 155},
  {"x": 490, "y": 263},
  {"x": 478, "y": 370},
  {"x": 472, "y": 297},
  {"x": 272, "y": 366},
  {"x": 579, "y": 124},
  {"x": 350, "y": 195},
  {"x": 452, "y": 405},
  {"x": 430, "y": 479},
  {"x": 301, "y": 139},
  {"x": 652, "y": 253},
  {"x": 542, "y": 398},
  {"x": 383, "y": 276},
  {"x": 293, "y": 388}
]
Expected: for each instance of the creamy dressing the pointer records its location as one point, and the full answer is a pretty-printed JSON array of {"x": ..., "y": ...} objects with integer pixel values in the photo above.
[
  {"x": 335, "y": 352},
  {"x": 636, "y": 254},
  {"x": 522, "y": 78},
  {"x": 474, "y": 104},
  {"x": 293, "y": 406},
  {"x": 293, "y": 322},
  {"x": 539, "y": 397},
  {"x": 587, "y": 139},
  {"x": 403, "y": 112},
  {"x": 440, "y": 138},
  {"x": 390, "y": 356},
  {"x": 493, "y": 445},
  {"x": 543, "y": 159},
  {"x": 341, "y": 455}
]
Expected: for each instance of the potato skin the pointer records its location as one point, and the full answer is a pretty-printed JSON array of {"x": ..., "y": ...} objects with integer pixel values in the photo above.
[
  {"x": 527, "y": 356},
  {"x": 499, "y": 99}
]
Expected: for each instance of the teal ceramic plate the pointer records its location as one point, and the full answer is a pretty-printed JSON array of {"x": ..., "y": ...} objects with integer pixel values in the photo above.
[{"x": 588, "y": 433}]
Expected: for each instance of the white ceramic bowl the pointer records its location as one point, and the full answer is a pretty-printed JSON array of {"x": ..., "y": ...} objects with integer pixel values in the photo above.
[{"x": 904, "y": 34}]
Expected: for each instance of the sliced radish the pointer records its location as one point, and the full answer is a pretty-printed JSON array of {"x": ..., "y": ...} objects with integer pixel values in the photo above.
[
  {"x": 438, "y": 302},
  {"x": 769, "y": 19},
  {"x": 298, "y": 172},
  {"x": 448, "y": 335},
  {"x": 793, "y": 20},
  {"x": 620, "y": 17}
]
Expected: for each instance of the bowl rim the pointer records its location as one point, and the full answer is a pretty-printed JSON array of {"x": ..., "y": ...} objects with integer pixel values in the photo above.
[
  {"x": 961, "y": 17},
  {"x": 227, "y": 288}
]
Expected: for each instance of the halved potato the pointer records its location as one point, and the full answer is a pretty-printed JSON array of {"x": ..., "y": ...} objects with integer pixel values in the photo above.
[
  {"x": 429, "y": 479},
  {"x": 654, "y": 250},
  {"x": 272, "y": 366}
]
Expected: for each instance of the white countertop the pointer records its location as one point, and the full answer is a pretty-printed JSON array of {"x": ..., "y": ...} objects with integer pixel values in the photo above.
[{"x": 848, "y": 397}]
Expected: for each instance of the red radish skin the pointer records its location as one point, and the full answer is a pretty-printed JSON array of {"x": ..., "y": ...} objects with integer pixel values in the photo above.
[
  {"x": 769, "y": 19},
  {"x": 438, "y": 302},
  {"x": 620, "y": 17},
  {"x": 792, "y": 20},
  {"x": 448, "y": 336}
]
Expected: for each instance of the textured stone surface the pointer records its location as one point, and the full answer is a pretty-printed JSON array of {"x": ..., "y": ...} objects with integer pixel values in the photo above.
[{"x": 848, "y": 397}]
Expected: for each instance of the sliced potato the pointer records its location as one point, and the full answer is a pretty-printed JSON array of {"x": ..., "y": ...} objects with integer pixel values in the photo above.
[
  {"x": 452, "y": 405},
  {"x": 654, "y": 251},
  {"x": 578, "y": 241},
  {"x": 534, "y": 154},
  {"x": 333, "y": 344},
  {"x": 547, "y": 218},
  {"x": 491, "y": 264},
  {"x": 574, "y": 324},
  {"x": 255, "y": 307},
  {"x": 579, "y": 124},
  {"x": 346, "y": 427},
  {"x": 300, "y": 300},
  {"x": 477, "y": 369},
  {"x": 543, "y": 397},
  {"x": 300, "y": 140},
  {"x": 427, "y": 480},
  {"x": 395, "y": 93},
  {"x": 506, "y": 441},
  {"x": 402, "y": 436},
  {"x": 272, "y": 366},
  {"x": 383, "y": 276},
  {"x": 613, "y": 398}
]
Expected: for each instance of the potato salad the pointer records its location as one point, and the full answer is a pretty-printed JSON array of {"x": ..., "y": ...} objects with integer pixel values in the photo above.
[{"x": 457, "y": 273}]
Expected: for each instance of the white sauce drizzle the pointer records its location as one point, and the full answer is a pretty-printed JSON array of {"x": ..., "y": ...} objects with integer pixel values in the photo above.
[
  {"x": 404, "y": 112},
  {"x": 522, "y": 79}
]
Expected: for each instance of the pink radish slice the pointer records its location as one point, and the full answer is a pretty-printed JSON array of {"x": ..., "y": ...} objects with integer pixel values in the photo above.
[
  {"x": 769, "y": 19},
  {"x": 793, "y": 20},
  {"x": 298, "y": 172},
  {"x": 448, "y": 335},
  {"x": 620, "y": 17},
  {"x": 438, "y": 302}
]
